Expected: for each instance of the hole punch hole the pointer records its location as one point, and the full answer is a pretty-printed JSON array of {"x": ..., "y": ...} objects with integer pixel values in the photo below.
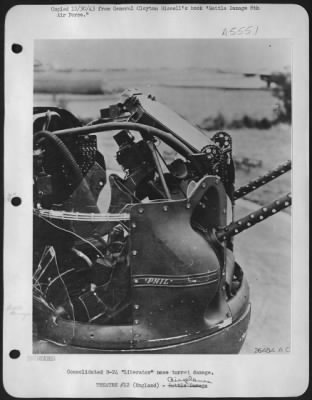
[
  {"x": 14, "y": 354},
  {"x": 16, "y": 201},
  {"x": 17, "y": 48}
]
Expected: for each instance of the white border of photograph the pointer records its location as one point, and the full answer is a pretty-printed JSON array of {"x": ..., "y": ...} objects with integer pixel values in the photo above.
[{"x": 233, "y": 375}]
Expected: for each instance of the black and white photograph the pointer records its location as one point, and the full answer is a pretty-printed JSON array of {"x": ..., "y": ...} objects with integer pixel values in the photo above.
[
  {"x": 156, "y": 201},
  {"x": 162, "y": 196}
]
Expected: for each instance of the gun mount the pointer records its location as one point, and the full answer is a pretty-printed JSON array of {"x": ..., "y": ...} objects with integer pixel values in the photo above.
[
  {"x": 134, "y": 253},
  {"x": 254, "y": 218}
]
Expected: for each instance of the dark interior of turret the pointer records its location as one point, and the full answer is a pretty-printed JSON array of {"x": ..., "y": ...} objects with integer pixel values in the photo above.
[{"x": 81, "y": 266}]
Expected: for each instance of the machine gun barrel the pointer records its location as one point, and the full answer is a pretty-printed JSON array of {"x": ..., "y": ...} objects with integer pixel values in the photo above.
[
  {"x": 253, "y": 218},
  {"x": 262, "y": 180}
]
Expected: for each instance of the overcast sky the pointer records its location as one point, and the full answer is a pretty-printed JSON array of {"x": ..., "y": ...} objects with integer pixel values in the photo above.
[{"x": 231, "y": 54}]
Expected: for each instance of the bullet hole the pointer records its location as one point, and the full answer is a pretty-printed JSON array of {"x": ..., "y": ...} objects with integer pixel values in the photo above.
[
  {"x": 14, "y": 354},
  {"x": 17, "y": 48},
  {"x": 16, "y": 201}
]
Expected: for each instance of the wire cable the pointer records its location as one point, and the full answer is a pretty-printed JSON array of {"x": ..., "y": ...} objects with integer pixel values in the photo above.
[{"x": 72, "y": 233}]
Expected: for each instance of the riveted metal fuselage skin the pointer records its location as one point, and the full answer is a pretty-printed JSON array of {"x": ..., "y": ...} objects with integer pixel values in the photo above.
[{"x": 177, "y": 286}]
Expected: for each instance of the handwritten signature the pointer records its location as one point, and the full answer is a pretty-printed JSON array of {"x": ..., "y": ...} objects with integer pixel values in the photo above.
[{"x": 189, "y": 380}]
